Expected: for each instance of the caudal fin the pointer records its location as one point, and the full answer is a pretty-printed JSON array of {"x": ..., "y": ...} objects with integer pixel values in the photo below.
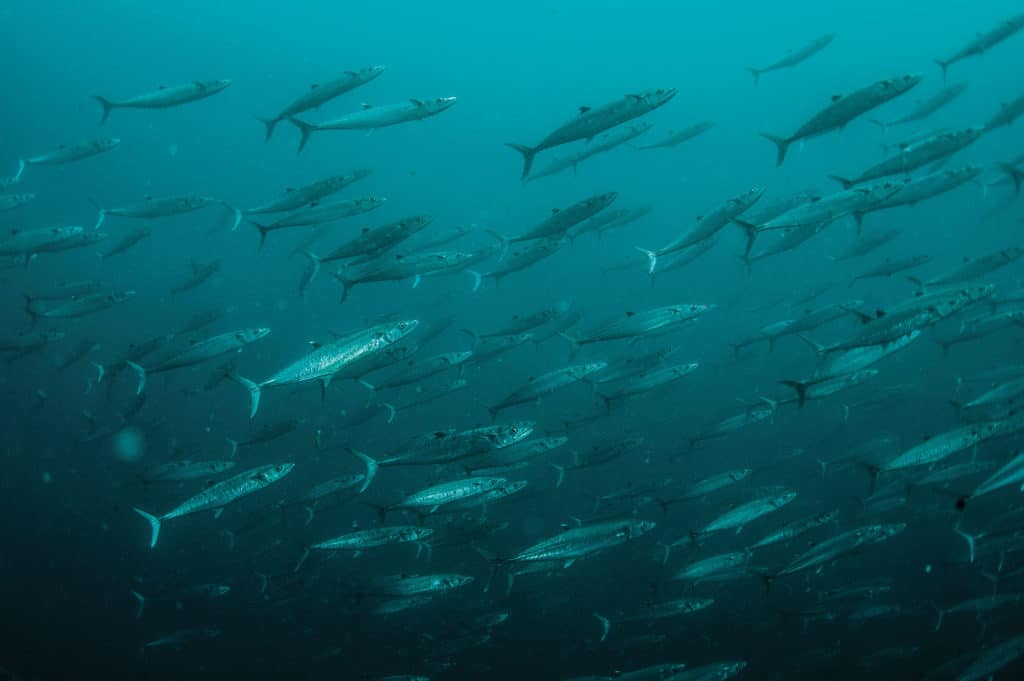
[
  {"x": 314, "y": 262},
  {"x": 371, "y": 468},
  {"x": 269, "y": 124},
  {"x": 573, "y": 343},
  {"x": 154, "y": 526},
  {"x": 264, "y": 230},
  {"x": 944, "y": 65},
  {"x": 254, "y": 392},
  {"x": 140, "y": 601},
  {"x": 800, "y": 388},
  {"x": 751, "y": 229},
  {"x": 107, "y": 105},
  {"x": 1016, "y": 174},
  {"x": 606, "y": 625},
  {"x": 21, "y": 170},
  {"x": 652, "y": 258},
  {"x": 843, "y": 181},
  {"x": 141, "y": 373},
  {"x": 756, "y": 73},
  {"x": 528, "y": 154},
  {"x": 233, "y": 444},
  {"x": 305, "y": 129},
  {"x": 781, "y": 143}
]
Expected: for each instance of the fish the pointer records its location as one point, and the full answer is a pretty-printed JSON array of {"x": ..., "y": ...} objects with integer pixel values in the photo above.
[
  {"x": 375, "y": 241},
  {"x": 844, "y": 109},
  {"x": 605, "y": 144},
  {"x": 983, "y": 42},
  {"x": 600, "y": 454},
  {"x": 522, "y": 255},
  {"x": 359, "y": 541},
  {"x": 12, "y": 201},
  {"x": 742, "y": 515},
  {"x": 709, "y": 225},
  {"x": 637, "y": 324},
  {"x": 891, "y": 266},
  {"x": 373, "y": 117},
  {"x": 581, "y": 542},
  {"x": 415, "y": 585},
  {"x": 414, "y": 266},
  {"x": 675, "y": 138},
  {"x": 561, "y": 221},
  {"x": 185, "y": 469},
  {"x": 523, "y": 451},
  {"x": 321, "y": 213},
  {"x": 198, "y": 352},
  {"x": 842, "y": 545},
  {"x": 926, "y": 107},
  {"x": 67, "y": 153},
  {"x": 796, "y": 528},
  {"x": 164, "y": 97},
  {"x": 972, "y": 268},
  {"x": 415, "y": 371},
  {"x": 593, "y": 121},
  {"x": 545, "y": 384},
  {"x": 1007, "y": 114},
  {"x": 994, "y": 658},
  {"x": 824, "y": 386},
  {"x": 609, "y": 220},
  {"x": 930, "y": 150},
  {"x": 217, "y": 496},
  {"x": 321, "y": 93},
  {"x": 296, "y": 198},
  {"x": 796, "y": 57},
  {"x": 25, "y": 244},
  {"x": 130, "y": 240},
  {"x": 1010, "y": 473},
  {"x": 434, "y": 497},
  {"x": 152, "y": 208},
  {"x": 712, "y": 567},
  {"x": 652, "y": 380},
  {"x": 941, "y": 446},
  {"x": 928, "y": 186},
  {"x": 76, "y": 307},
  {"x": 200, "y": 273},
  {"x": 656, "y": 611},
  {"x": 325, "y": 361}
]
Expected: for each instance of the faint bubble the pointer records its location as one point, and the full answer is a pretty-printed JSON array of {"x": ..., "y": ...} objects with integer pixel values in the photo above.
[
  {"x": 928, "y": 569},
  {"x": 173, "y": 150},
  {"x": 129, "y": 445},
  {"x": 47, "y": 478}
]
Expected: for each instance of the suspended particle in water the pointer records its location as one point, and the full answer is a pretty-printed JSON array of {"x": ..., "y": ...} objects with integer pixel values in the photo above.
[{"x": 129, "y": 445}]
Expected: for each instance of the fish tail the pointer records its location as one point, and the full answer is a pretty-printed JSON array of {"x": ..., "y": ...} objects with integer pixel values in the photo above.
[
  {"x": 528, "y": 154},
  {"x": 748, "y": 263},
  {"x": 944, "y": 65},
  {"x": 1016, "y": 174},
  {"x": 254, "y": 392},
  {"x": 264, "y": 230},
  {"x": 756, "y": 73},
  {"x": 969, "y": 538},
  {"x": 100, "y": 218},
  {"x": 101, "y": 371},
  {"x": 820, "y": 349},
  {"x": 28, "y": 309},
  {"x": 782, "y": 145},
  {"x": 751, "y": 229},
  {"x": 916, "y": 282},
  {"x": 140, "y": 603},
  {"x": 472, "y": 334},
  {"x": 107, "y": 105},
  {"x": 503, "y": 240},
  {"x": 606, "y": 625},
  {"x": 305, "y": 129},
  {"x": 391, "y": 411},
  {"x": 237, "y": 212},
  {"x": 154, "y": 526},
  {"x": 652, "y": 258},
  {"x": 315, "y": 261},
  {"x": 800, "y": 388},
  {"x": 310, "y": 514},
  {"x": 666, "y": 549},
  {"x": 269, "y": 124},
  {"x": 302, "y": 559},
  {"x": 477, "y": 279},
  {"x": 574, "y": 343},
  {"x": 881, "y": 124},
  {"x": 939, "y": 615},
  {"x": 141, "y": 373},
  {"x": 561, "y": 475},
  {"x": 371, "y": 467},
  {"x": 21, "y": 169},
  {"x": 843, "y": 181},
  {"x": 233, "y": 444}
]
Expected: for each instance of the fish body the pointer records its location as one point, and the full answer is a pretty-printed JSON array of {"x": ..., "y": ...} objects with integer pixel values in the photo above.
[
  {"x": 737, "y": 518},
  {"x": 77, "y": 307},
  {"x": 12, "y": 201},
  {"x": 647, "y": 382},
  {"x": 674, "y": 139},
  {"x": 165, "y": 97},
  {"x": 868, "y": 243},
  {"x": 972, "y": 268},
  {"x": 377, "y": 240},
  {"x": 637, "y": 324},
  {"x": 895, "y": 265},
  {"x": 842, "y": 545},
  {"x": 844, "y": 109},
  {"x": 321, "y": 93},
  {"x": 321, "y": 213},
  {"x": 927, "y": 107},
  {"x": 201, "y": 272},
  {"x": 27, "y": 243},
  {"x": 984, "y": 42},
  {"x": 73, "y": 152},
  {"x": 522, "y": 255},
  {"x": 592, "y": 122},
  {"x": 930, "y": 150},
  {"x": 186, "y": 469},
  {"x": 219, "y": 495},
  {"x": 822, "y": 386},
  {"x": 993, "y": 659},
  {"x": 583, "y": 541},
  {"x": 941, "y": 446},
  {"x": 1007, "y": 114},
  {"x": 201, "y": 351},
  {"x": 415, "y": 371},
  {"x": 129, "y": 241},
  {"x": 378, "y": 536},
  {"x": 712, "y": 567},
  {"x": 796, "y": 57},
  {"x": 546, "y": 384},
  {"x": 415, "y": 585},
  {"x": 309, "y": 194},
  {"x": 373, "y": 117},
  {"x": 796, "y": 528},
  {"x": 327, "y": 360},
  {"x": 398, "y": 267},
  {"x": 561, "y": 221},
  {"x": 604, "y": 144}
]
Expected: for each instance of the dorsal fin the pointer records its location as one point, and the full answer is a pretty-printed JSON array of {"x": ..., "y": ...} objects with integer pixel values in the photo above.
[
  {"x": 417, "y": 102},
  {"x": 314, "y": 86},
  {"x": 289, "y": 190},
  {"x": 836, "y": 98},
  {"x": 584, "y": 109},
  {"x": 365, "y": 106}
]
